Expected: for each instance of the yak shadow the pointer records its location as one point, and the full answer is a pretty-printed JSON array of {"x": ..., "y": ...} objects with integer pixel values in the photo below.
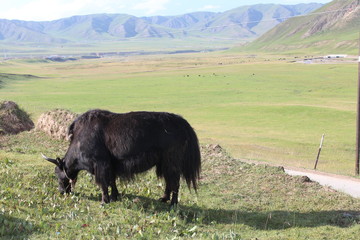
[
  {"x": 259, "y": 220},
  {"x": 15, "y": 228}
]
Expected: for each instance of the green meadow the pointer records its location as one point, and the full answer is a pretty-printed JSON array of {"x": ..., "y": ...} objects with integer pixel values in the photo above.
[
  {"x": 266, "y": 108},
  {"x": 235, "y": 200},
  {"x": 122, "y": 47}
]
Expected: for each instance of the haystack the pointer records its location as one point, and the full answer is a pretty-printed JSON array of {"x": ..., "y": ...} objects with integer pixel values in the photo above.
[
  {"x": 56, "y": 122},
  {"x": 13, "y": 120}
]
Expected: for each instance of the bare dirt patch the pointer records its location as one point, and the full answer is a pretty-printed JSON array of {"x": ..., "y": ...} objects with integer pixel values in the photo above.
[
  {"x": 56, "y": 122},
  {"x": 13, "y": 120}
]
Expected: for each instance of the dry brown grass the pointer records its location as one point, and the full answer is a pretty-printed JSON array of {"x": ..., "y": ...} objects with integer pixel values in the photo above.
[
  {"x": 13, "y": 120},
  {"x": 56, "y": 122}
]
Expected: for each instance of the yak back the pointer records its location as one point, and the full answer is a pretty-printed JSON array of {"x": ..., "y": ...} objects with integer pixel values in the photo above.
[{"x": 135, "y": 132}]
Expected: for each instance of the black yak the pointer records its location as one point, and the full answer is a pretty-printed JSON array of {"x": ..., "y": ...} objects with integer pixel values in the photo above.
[{"x": 110, "y": 145}]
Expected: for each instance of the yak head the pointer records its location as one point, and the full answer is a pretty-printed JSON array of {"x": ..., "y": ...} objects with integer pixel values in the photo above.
[{"x": 66, "y": 184}]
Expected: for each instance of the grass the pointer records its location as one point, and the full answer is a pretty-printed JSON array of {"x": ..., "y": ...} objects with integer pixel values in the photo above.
[
  {"x": 262, "y": 107},
  {"x": 137, "y": 46},
  {"x": 260, "y": 203},
  {"x": 259, "y": 107}
]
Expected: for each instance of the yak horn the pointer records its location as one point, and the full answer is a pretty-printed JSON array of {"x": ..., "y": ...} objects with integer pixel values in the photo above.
[{"x": 54, "y": 161}]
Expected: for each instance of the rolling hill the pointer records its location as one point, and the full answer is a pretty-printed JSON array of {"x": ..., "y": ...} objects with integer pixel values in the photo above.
[
  {"x": 334, "y": 26},
  {"x": 246, "y": 22}
]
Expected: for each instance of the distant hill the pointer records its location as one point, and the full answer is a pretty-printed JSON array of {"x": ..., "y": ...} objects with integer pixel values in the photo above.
[
  {"x": 246, "y": 22},
  {"x": 333, "y": 27}
]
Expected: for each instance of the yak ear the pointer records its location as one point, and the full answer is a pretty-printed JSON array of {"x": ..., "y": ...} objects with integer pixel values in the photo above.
[{"x": 58, "y": 162}]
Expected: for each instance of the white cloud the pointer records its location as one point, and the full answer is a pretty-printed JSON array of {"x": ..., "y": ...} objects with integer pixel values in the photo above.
[
  {"x": 44, "y": 9},
  {"x": 151, "y": 6},
  {"x": 209, "y": 7},
  {"x": 41, "y": 10}
]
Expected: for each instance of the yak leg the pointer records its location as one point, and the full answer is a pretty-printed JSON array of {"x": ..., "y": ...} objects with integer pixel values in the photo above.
[
  {"x": 105, "y": 194},
  {"x": 172, "y": 187},
  {"x": 175, "y": 191},
  {"x": 105, "y": 177},
  {"x": 114, "y": 191},
  {"x": 166, "y": 196}
]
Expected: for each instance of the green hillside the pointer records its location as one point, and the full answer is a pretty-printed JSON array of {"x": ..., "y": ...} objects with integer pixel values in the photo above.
[{"x": 334, "y": 27}]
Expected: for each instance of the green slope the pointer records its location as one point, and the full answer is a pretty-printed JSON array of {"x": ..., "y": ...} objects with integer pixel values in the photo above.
[{"x": 334, "y": 27}]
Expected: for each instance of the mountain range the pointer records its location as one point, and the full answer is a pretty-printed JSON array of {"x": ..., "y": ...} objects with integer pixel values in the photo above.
[
  {"x": 335, "y": 26},
  {"x": 243, "y": 23}
]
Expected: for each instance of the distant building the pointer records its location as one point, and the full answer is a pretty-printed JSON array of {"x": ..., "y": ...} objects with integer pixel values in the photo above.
[{"x": 336, "y": 56}]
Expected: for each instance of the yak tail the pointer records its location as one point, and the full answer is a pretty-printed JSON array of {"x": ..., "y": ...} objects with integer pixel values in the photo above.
[{"x": 192, "y": 158}]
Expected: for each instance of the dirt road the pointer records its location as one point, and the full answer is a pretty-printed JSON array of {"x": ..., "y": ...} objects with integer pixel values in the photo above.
[
  {"x": 344, "y": 184},
  {"x": 348, "y": 185}
]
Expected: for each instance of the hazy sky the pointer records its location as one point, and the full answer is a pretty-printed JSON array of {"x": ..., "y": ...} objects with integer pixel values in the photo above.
[{"x": 42, "y": 10}]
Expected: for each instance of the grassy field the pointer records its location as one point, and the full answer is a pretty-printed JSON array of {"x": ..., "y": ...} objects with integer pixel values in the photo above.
[
  {"x": 264, "y": 108},
  {"x": 139, "y": 46},
  {"x": 235, "y": 200}
]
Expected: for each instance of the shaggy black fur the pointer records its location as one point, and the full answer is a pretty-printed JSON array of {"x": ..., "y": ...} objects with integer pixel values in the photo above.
[{"x": 111, "y": 145}]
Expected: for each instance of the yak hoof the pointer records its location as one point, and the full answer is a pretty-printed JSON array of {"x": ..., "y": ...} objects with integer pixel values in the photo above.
[
  {"x": 105, "y": 200},
  {"x": 173, "y": 203},
  {"x": 173, "y": 206},
  {"x": 113, "y": 198},
  {"x": 163, "y": 199}
]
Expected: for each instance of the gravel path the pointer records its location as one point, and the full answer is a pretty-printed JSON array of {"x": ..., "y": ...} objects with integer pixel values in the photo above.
[{"x": 340, "y": 183}]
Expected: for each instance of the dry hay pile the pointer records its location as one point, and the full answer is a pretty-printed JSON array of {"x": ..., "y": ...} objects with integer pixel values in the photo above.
[
  {"x": 56, "y": 122},
  {"x": 13, "y": 120},
  {"x": 214, "y": 151}
]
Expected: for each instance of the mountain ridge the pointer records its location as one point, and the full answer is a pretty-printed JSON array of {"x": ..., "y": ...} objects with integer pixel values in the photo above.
[{"x": 246, "y": 22}]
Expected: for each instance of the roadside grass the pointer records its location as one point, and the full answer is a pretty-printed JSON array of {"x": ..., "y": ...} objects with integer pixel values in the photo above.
[
  {"x": 235, "y": 200},
  {"x": 265, "y": 108}
]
